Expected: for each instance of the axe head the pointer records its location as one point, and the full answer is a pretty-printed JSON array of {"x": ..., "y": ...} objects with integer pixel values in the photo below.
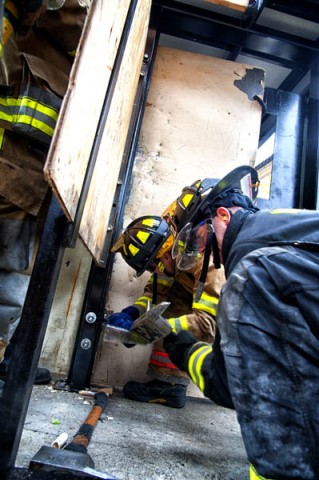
[{"x": 51, "y": 459}]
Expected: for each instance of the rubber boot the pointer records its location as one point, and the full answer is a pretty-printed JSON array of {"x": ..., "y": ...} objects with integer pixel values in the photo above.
[{"x": 156, "y": 391}]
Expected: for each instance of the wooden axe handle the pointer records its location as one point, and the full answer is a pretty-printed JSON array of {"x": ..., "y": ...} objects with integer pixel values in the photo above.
[
  {"x": 83, "y": 436},
  {"x": 92, "y": 393}
]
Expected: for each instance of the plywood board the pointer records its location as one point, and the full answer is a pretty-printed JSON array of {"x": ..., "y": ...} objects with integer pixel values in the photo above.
[
  {"x": 199, "y": 122},
  {"x": 76, "y": 128},
  {"x": 240, "y": 5},
  {"x": 74, "y": 136},
  {"x": 100, "y": 200}
]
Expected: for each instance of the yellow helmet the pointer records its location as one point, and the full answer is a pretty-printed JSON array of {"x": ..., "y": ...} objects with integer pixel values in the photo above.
[{"x": 180, "y": 210}]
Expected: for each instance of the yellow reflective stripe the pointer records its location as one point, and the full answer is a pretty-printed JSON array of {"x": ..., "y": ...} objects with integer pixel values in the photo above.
[
  {"x": 283, "y": 211},
  {"x": 6, "y": 117},
  {"x": 8, "y": 101},
  {"x": 253, "y": 475},
  {"x": 167, "y": 282},
  {"x": 195, "y": 364},
  {"x": 7, "y": 113},
  {"x": 142, "y": 236},
  {"x": 143, "y": 301},
  {"x": 27, "y": 120},
  {"x": 1, "y": 137},
  {"x": 40, "y": 107},
  {"x": 29, "y": 103},
  {"x": 206, "y": 303},
  {"x": 133, "y": 249},
  {"x": 179, "y": 323}
]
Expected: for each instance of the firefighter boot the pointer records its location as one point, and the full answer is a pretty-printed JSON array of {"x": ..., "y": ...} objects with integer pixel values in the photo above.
[
  {"x": 42, "y": 375},
  {"x": 167, "y": 394}
]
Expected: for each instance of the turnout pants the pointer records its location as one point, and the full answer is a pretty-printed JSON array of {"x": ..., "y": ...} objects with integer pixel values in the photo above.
[
  {"x": 269, "y": 324},
  {"x": 16, "y": 246}
]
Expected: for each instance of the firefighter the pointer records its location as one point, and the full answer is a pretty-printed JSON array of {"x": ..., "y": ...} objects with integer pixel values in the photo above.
[
  {"x": 38, "y": 46},
  {"x": 146, "y": 244},
  {"x": 268, "y": 322}
]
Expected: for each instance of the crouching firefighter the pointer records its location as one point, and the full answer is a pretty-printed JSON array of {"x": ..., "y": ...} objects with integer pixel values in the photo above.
[
  {"x": 269, "y": 331},
  {"x": 146, "y": 245}
]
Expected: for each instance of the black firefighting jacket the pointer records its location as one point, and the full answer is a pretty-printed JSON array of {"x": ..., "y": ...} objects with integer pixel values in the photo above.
[{"x": 248, "y": 232}]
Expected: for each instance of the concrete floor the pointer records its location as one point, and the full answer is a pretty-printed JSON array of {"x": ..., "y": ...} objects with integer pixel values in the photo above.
[{"x": 141, "y": 441}]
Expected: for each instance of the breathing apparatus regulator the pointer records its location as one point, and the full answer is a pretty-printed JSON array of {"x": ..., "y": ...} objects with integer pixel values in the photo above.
[{"x": 196, "y": 240}]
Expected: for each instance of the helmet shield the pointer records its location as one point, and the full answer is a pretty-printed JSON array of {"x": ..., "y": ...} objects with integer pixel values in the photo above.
[{"x": 190, "y": 244}]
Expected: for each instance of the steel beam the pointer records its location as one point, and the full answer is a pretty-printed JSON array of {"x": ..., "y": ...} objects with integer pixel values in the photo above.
[
  {"x": 311, "y": 161},
  {"x": 287, "y": 110},
  {"x": 29, "y": 336}
]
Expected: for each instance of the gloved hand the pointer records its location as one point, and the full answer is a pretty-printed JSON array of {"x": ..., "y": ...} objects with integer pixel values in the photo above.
[
  {"x": 125, "y": 318},
  {"x": 178, "y": 347}
]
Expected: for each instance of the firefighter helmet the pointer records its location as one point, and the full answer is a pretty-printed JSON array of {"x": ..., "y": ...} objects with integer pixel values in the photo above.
[
  {"x": 177, "y": 214},
  {"x": 143, "y": 241},
  {"x": 238, "y": 188}
]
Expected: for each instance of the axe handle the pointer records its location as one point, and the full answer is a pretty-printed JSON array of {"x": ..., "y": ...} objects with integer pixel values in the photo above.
[{"x": 83, "y": 436}]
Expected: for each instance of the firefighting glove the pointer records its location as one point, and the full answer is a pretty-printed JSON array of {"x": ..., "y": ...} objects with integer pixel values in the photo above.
[
  {"x": 178, "y": 346},
  {"x": 125, "y": 318}
]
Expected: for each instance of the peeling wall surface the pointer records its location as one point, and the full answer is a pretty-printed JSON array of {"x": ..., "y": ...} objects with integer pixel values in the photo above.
[
  {"x": 200, "y": 121},
  {"x": 66, "y": 310}
]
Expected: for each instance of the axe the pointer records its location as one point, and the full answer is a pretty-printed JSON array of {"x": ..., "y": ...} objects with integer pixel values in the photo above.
[{"x": 74, "y": 457}]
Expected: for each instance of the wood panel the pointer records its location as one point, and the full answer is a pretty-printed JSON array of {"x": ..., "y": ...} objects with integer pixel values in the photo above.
[
  {"x": 199, "y": 122},
  {"x": 98, "y": 206},
  {"x": 74, "y": 135},
  {"x": 240, "y": 5}
]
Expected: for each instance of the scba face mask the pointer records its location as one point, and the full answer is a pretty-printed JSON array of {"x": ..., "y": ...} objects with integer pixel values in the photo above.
[{"x": 191, "y": 243}]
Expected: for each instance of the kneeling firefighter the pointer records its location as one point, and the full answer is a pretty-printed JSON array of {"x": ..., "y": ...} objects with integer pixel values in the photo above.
[{"x": 146, "y": 244}]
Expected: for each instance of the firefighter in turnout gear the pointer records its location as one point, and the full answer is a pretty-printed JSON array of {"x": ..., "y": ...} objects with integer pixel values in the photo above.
[
  {"x": 38, "y": 46},
  {"x": 269, "y": 334},
  {"x": 146, "y": 245}
]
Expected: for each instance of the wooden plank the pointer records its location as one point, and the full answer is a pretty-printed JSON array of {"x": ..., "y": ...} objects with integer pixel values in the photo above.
[
  {"x": 75, "y": 131},
  {"x": 100, "y": 198},
  {"x": 240, "y": 5},
  {"x": 70, "y": 150}
]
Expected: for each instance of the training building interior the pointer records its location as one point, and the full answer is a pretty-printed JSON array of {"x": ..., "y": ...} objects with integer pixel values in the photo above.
[{"x": 196, "y": 88}]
